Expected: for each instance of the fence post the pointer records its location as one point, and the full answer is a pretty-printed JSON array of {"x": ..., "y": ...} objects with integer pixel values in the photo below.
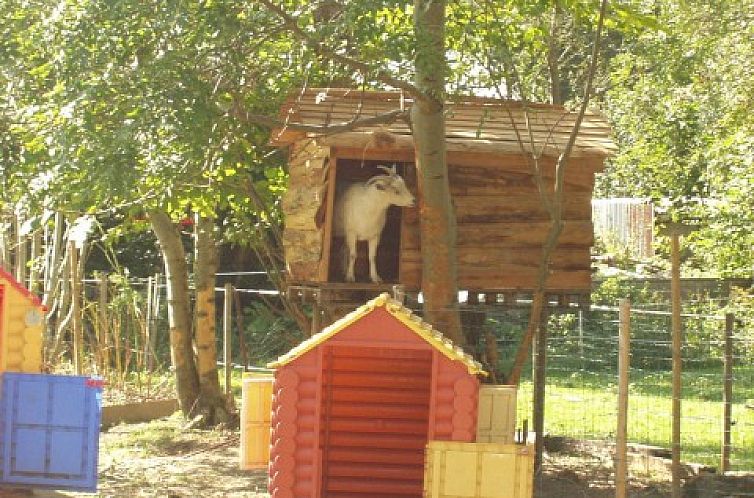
[
  {"x": 76, "y": 294},
  {"x": 36, "y": 252},
  {"x": 727, "y": 392},
  {"x": 21, "y": 254},
  {"x": 102, "y": 324},
  {"x": 148, "y": 321},
  {"x": 540, "y": 381},
  {"x": 240, "y": 329},
  {"x": 227, "y": 337},
  {"x": 154, "y": 360},
  {"x": 675, "y": 295},
  {"x": 624, "y": 362}
]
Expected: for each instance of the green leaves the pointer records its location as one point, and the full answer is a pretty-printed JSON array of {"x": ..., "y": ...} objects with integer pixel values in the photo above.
[{"x": 676, "y": 104}]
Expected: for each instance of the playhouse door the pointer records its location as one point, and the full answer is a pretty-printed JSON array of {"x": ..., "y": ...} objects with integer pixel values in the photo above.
[{"x": 375, "y": 418}]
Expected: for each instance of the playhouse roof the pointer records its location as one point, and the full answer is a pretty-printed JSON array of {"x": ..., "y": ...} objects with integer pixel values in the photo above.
[
  {"x": 15, "y": 284},
  {"x": 403, "y": 315},
  {"x": 473, "y": 124}
]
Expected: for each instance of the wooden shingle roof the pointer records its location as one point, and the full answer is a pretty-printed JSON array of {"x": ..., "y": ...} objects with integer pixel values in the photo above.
[{"x": 473, "y": 124}]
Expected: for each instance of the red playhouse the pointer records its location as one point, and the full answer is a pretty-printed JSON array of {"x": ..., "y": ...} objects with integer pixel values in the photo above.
[{"x": 355, "y": 405}]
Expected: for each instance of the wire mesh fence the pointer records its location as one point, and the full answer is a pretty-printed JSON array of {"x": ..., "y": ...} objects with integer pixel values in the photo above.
[
  {"x": 582, "y": 359},
  {"x": 581, "y": 391}
]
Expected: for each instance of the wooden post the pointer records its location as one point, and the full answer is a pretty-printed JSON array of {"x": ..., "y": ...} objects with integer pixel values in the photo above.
[
  {"x": 316, "y": 312},
  {"x": 148, "y": 332},
  {"x": 227, "y": 336},
  {"x": 36, "y": 252},
  {"x": 21, "y": 255},
  {"x": 675, "y": 230},
  {"x": 624, "y": 359},
  {"x": 240, "y": 329},
  {"x": 156, "y": 294},
  {"x": 727, "y": 392},
  {"x": 102, "y": 329},
  {"x": 540, "y": 381},
  {"x": 4, "y": 243},
  {"x": 675, "y": 294},
  {"x": 78, "y": 331}
]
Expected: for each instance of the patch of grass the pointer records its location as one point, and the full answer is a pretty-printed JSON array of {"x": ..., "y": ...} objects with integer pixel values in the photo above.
[
  {"x": 156, "y": 437},
  {"x": 584, "y": 405}
]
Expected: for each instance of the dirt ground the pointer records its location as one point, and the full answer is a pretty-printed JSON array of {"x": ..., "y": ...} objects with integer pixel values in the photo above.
[{"x": 161, "y": 459}]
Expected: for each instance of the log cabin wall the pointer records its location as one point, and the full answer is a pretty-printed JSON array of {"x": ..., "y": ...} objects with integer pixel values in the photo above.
[
  {"x": 502, "y": 223},
  {"x": 502, "y": 226}
]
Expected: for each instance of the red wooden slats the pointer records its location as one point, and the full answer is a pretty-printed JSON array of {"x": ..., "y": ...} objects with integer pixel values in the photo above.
[
  {"x": 374, "y": 456},
  {"x": 387, "y": 395},
  {"x": 382, "y": 472},
  {"x": 378, "y": 426},
  {"x": 388, "y": 488}
]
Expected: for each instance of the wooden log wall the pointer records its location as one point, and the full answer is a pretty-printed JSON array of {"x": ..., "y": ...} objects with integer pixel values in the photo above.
[{"x": 502, "y": 225}]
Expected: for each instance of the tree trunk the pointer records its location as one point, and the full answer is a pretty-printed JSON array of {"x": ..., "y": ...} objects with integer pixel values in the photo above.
[
  {"x": 438, "y": 223},
  {"x": 205, "y": 267},
  {"x": 554, "y": 206},
  {"x": 553, "y": 55},
  {"x": 179, "y": 315}
]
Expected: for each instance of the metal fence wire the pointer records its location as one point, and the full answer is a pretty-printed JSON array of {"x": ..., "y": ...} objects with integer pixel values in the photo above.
[{"x": 581, "y": 390}]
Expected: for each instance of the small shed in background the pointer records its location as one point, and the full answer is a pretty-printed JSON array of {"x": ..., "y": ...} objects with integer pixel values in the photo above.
[
  {"x": 355, "y": 405},
  {"x": 502, "y": 224},
  {"x": 626, "y": 223},
  {"x": 21, "y": 321}
]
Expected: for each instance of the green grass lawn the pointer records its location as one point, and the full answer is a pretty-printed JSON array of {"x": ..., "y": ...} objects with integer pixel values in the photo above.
[{"x": 584, "y": 405}]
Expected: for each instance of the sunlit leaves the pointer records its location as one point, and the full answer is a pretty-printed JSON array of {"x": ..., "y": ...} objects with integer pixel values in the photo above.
[{"x": 680, "y": 102}]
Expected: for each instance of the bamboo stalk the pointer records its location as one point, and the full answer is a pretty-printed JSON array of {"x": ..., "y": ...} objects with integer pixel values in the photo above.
[
  {"x": 21, "y": 253},
  {"x": 78, "y": 330},
  {"x": 4, "y": 242},
  {"x": 36, "y": 254},
  {"x": 102, "y": 324}
]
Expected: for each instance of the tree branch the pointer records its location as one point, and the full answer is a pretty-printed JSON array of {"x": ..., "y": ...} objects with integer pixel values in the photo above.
[
  {"x": 538, "y": 297},
  {"x": 324, "y": 51},
  {"x": 260, "y": 119}
]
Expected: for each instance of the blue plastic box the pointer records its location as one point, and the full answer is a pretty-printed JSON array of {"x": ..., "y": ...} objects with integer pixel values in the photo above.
[{"x": 49, "y": 431}]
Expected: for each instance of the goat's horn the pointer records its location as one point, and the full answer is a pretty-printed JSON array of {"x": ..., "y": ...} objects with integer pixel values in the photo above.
[{"x": 389, "y": 171}]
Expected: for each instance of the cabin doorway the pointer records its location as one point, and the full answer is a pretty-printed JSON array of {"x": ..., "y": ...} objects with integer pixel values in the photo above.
[{"x": 349, "y": 171}]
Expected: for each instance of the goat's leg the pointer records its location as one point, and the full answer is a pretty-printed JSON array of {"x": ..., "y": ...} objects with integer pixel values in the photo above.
[
  {"x": 373, "y": 275},
  {"x": 351, "y": 260}
]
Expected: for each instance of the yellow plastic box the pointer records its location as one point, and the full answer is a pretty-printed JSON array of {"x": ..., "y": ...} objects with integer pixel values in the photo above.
[
  {"x": 478, "y": 470},
  {"x": 256, "y": 407},
  {"x": 496, "y": 417}
]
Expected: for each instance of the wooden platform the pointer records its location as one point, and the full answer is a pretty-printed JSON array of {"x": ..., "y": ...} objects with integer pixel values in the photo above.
[{"x": 331, "y": 301}]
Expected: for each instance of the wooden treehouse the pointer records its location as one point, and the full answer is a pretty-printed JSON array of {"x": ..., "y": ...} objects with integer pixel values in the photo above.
[{"x": 501, "y": 221}]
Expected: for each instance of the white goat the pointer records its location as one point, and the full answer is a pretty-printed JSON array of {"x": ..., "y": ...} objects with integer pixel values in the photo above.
[{"x": 361, "y": 212}]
